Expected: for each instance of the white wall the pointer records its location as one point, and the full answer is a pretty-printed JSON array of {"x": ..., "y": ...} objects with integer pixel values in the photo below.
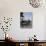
[
  {"x": 45, "y": 28},
  {"x": 12, "y": 8}
]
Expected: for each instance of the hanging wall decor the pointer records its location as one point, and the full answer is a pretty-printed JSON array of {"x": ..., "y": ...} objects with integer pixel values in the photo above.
[
  {"x": 6, "y": 24},
  {"x": 7, "y": 21},
  {"x": 26, "y": 19},
  {"x": 35, "y": 3}
]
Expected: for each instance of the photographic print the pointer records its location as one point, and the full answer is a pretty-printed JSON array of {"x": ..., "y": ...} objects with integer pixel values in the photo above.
[{"x": 26, "y": 19}]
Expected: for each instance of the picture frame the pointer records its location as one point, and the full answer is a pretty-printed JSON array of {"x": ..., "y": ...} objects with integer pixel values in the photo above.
[{"x": 26, "y": 19}]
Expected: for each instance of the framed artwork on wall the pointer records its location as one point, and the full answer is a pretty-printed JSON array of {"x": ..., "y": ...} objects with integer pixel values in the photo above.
[{"x": 26, "y": 19}]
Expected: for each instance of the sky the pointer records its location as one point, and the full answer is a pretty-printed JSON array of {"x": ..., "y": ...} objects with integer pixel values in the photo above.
[{"x": 27, "y": 15}]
